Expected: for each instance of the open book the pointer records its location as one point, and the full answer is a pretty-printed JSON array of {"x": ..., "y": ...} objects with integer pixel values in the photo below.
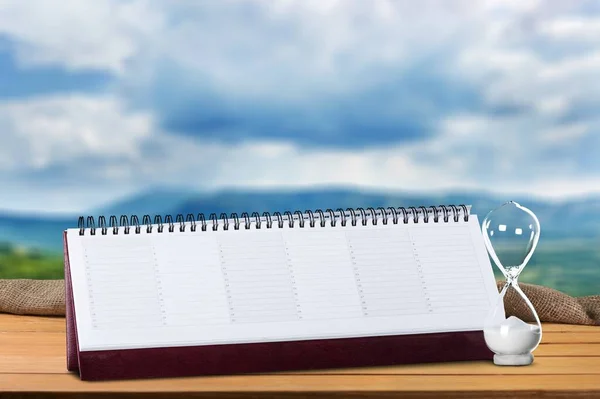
[{"x": 271, "y": 280}]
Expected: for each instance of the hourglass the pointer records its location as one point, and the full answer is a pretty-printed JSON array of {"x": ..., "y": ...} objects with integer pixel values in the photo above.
[{"x": 511, "y": 233}]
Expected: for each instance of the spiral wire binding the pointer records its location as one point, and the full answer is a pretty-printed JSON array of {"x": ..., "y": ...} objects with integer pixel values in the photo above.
[{"x": 124, "y": 224}]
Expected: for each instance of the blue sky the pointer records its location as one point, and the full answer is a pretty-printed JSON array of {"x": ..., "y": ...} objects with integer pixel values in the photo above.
[{"x": 101, "y": 99}]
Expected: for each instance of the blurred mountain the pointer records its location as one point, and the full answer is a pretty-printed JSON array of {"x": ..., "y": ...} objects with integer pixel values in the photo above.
[
  {"x": 161, "y": 200},
  {"x": 574, "y": 219},
  {"x": 42, "y": 232}
]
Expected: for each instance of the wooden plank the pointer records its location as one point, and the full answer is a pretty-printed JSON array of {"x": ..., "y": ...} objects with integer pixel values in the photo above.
[
  {"x": 53, "y": 338},
  {"x": 58, "y": 338},
  {"x": 542, "y": 366},
  {"x": 32, "y": 344},
  {"x": 44, "y": 343},
  {"x": 10, "y": 322},
  {"x": 305, "y": 383},
  {"x": 15, "y": 323},
  {"x": 571, "y": 337},
  {"x": 45, "y": 353},
  {"x": 32, "y": 359},
  {"x": 549, "y": 327},
  {"x": 51, "y": 334},
  {"x": 48, "y": 343},
  {"x": 568, "y": 350},
  {"x": 33, "y": 365}
]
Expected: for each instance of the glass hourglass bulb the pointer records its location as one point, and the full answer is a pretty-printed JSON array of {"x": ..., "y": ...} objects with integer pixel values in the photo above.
[{"x": 511, "y": 233}]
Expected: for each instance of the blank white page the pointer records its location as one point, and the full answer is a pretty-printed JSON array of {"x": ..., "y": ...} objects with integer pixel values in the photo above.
[{"x": 278, "y": 284}]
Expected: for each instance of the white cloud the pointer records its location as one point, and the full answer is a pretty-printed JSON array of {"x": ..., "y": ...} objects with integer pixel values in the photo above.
[
  {"x": 213, "y": 166},
  {"x": 512, "y": 5},
  {"x": 565, "y": 134},
  {"x": 110, "y": 153},
  {"x": 102, "y": 34},
  {"x": 552, "y": 106},
  {"x": 488, "y": 158},
  {"x": 305, "y": 46},
  {"x": 308, "y": 52},
  {"x": 44, "y": 132},
  {"x": 585, "y": 65},
  {"x": 572, "y": 28},
  {"x": 296, "y": 50},
  {"x": 75, "y": 132}
]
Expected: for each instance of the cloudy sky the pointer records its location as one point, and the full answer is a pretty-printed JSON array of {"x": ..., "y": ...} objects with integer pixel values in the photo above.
[{"x": 100, "y": 99}]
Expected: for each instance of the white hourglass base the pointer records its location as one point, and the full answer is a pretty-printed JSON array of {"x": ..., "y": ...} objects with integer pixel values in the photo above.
[{"x": 513, "y": 360}]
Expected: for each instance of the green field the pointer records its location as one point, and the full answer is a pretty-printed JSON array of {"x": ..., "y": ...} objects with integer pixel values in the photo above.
[
  {"x": 571, "y": 267},
  {"x": 17, "y": 262}
]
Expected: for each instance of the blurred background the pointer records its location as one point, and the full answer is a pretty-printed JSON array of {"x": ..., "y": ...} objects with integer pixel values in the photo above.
[{"x": 154, "y": 107}]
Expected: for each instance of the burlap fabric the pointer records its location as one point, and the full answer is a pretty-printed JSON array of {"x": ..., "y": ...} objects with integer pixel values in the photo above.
[
  {"x": 47, "y": 298},
  {"x": 552, "y": 306},
  {"x": 33, "y": 297}
]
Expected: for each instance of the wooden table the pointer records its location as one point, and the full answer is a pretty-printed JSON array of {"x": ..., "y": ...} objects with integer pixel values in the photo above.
[{"x": 567, "y": 364}]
